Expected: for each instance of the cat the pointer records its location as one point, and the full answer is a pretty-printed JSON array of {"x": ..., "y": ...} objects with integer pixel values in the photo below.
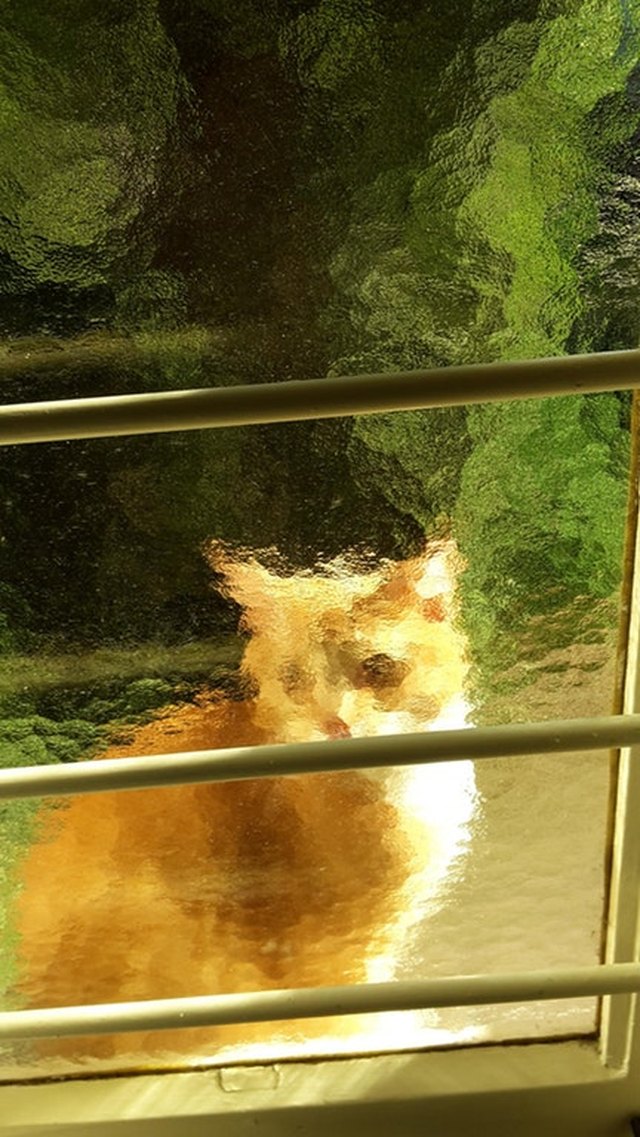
[{"x": 279, "y": 882}]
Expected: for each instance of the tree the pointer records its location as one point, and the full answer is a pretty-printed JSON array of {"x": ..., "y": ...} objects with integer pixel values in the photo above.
[{"x": 88, "y": 107}]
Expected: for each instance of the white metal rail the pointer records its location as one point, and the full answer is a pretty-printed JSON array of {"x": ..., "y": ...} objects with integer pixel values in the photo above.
[
  {"x": 321, "y": 1002},
  {"x": 334, "y": 397},
  {"x": 555, "y": 736},
  {"x": 290, "y": 401}
]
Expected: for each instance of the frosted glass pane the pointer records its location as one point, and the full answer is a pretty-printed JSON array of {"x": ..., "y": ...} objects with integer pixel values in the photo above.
[
  {"x": 321, "y": 879},
  {"x": 245, "y": 192}
]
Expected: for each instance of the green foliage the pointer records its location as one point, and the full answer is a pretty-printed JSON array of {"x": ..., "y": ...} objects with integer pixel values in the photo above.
[
  {"x": 261, "y": 190},
  {"x": 465, "y": 249},
  {"x": 334, "y": 46},
  {"x": 37, "y": 740},
  {"x": 153, "y": 301},
  {"x": 414, "y": 460},
  {"x": 421, "y": 281},
  {"x": 79, "y": 142},
  {"x": 30, "y": 741},
  {"x": 542, "y": 507},
  {"x": 540, "y": 518},
  {"x": 537, "y": 202},
  {"x": 102, "y": 703},
  {"x": 245, "y": 27},
  {"x": 14, "y": 620},
  {"x": 469, "y": 249}
]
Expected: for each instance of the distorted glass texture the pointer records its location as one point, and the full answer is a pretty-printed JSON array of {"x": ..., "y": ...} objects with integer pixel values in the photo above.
[{"x": 202, "y": 193}]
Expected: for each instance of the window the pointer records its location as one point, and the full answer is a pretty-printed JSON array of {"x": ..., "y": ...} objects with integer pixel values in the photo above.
[
  {"x": 598, "y": 1064},
  {"x": 257, "y": 195}
]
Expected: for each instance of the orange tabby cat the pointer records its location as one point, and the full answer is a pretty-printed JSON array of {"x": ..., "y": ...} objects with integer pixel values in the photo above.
[{"x": 240, "y": 886}]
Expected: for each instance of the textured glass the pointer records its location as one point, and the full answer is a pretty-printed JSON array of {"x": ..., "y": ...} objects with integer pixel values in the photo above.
[{"x": 199, "y": 193}]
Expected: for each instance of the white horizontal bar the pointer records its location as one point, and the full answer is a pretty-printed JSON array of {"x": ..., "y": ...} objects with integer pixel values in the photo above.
[
  {"x": 320, "y": 1002},
  {"x": 510, "y": 741},
  {"x": 317, "y": 398}
]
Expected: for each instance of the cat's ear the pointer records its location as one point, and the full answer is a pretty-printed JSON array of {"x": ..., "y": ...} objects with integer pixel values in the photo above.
[
  {"x": 426, "y": 583},
  {"x": 392, "y": 596},
  {"x": 440, "y": 573},
  {"x": 242, "y": 577}
]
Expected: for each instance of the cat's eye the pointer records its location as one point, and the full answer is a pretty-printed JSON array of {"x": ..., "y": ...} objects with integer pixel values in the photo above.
[{"x": 380, "y": 671}]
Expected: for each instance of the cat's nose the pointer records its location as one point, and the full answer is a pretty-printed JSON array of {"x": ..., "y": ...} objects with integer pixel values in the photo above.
[{"x": 335, "y": 727}]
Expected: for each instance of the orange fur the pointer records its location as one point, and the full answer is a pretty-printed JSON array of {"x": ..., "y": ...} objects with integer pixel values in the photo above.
[{"x": 238, "y": 886}]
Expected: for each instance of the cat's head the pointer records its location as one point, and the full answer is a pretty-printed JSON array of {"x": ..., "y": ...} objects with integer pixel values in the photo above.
[{"x": 341, "y": 651}]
